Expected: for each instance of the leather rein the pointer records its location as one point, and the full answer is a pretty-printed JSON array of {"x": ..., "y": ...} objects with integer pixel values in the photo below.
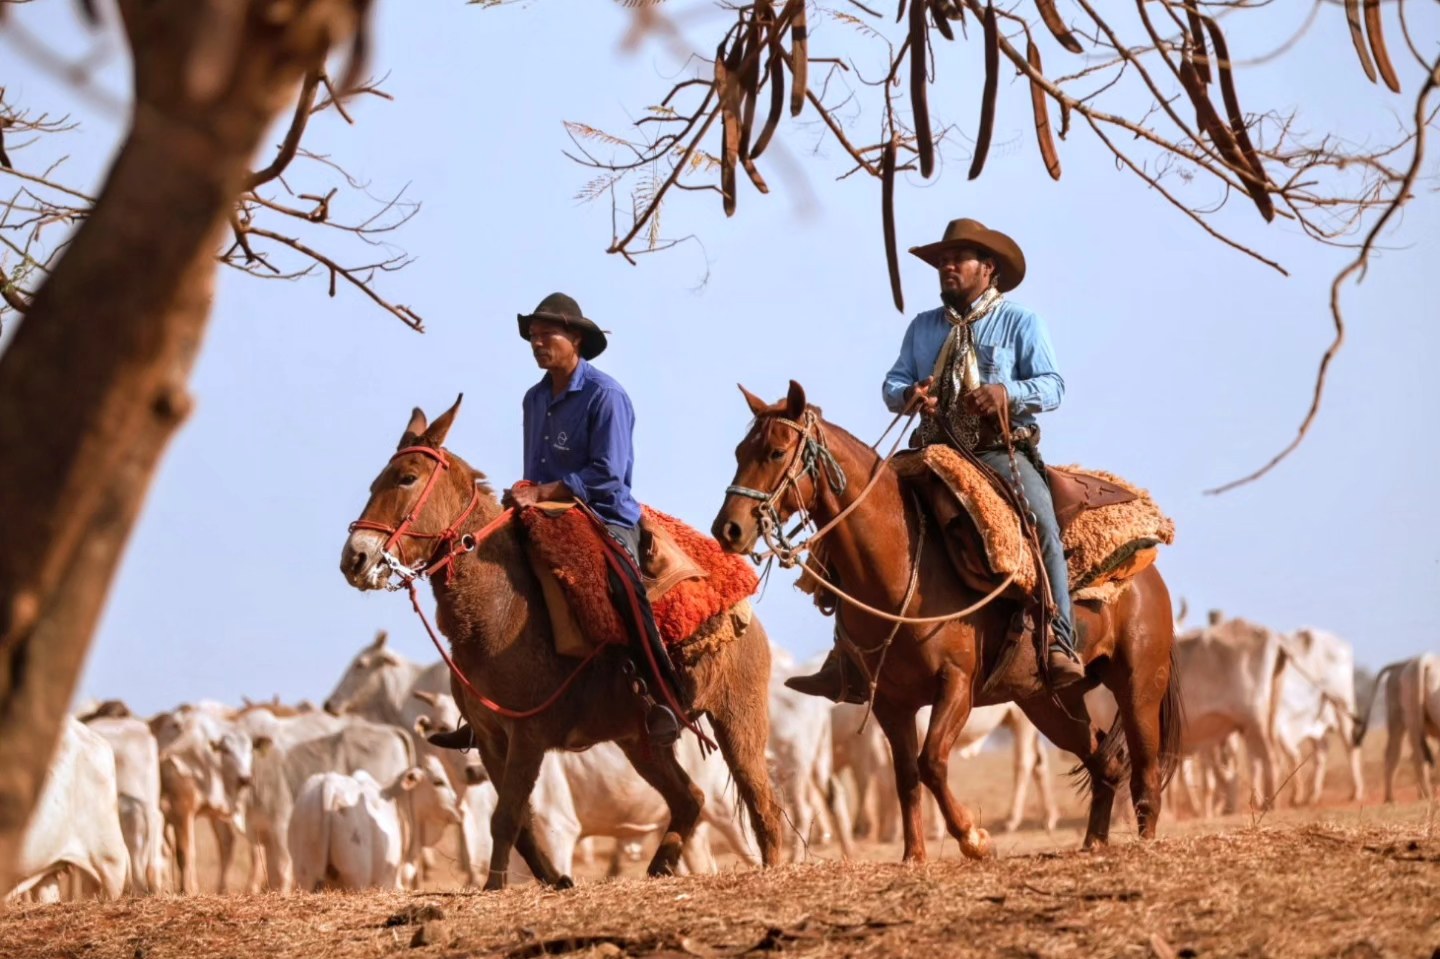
[
  {"x": 812, "y": 457},
  {"x": 451, "y": 544}
]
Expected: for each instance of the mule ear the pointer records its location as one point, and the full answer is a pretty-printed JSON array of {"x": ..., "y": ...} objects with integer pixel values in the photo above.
[
  {"x": 757, "y": 405},
  {"x": 795, "y": 401},
  {"x": 414, "y": 429},
  {"x": 439, "y": 429}
]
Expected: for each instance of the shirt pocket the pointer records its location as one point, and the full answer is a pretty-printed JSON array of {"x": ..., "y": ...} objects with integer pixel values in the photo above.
[{"x": 997, "y": 363}]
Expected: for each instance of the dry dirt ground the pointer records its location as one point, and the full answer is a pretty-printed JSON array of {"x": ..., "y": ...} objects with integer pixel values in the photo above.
[{"x": 1343, "y": 879}]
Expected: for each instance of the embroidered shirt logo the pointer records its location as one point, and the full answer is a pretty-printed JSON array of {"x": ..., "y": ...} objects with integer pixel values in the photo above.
[{"x": 561, "y": 439}]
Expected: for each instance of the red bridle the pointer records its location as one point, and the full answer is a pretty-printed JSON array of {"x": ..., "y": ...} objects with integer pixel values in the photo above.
[{"x": 451, "y": 542}]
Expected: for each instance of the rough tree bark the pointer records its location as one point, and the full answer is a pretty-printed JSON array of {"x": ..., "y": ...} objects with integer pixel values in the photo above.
[{"x": 94, "y": 383}]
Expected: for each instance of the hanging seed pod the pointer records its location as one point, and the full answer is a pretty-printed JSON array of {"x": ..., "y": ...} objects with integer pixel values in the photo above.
[
  {"x": 989, "y": 94},
  {"x": 799, "y": 57},
  {"x": 942, "y": 23},
  {"x": 1043, "y": 133},
  {"x": 1255, "y": 184},
  {"x": 1377, "y": 45},
  {"x": 919, "y": 46},
  {"x": 1197, "y": 36},
  {"x": 777, "y": 97},
  {"x": 887, "y": 216},
  {"x": 749, "y": 68},
  {"x": 1056, "y": 26},
  {"x": 1357, "y": 37},
  {"x": 729, "y": 127}
]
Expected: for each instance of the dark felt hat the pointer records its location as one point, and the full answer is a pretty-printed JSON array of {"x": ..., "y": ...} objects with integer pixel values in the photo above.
[
  {"x": 560, "y": 308},
  {"x": 1009, "y": 261}
]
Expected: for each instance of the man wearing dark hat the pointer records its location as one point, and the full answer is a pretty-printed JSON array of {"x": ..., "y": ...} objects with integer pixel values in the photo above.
[
  {"x": 579, "y": 445},
  {"x": 961, "y": 364}
]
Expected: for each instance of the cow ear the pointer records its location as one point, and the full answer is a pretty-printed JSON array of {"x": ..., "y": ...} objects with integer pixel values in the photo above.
[
  {"x": 412, "y": 778},
  {"x": 756, "y": 404},
  {"x": 425, "y": 696},
  {"x": 414, "y": 430},
  {"x": 795, "y": 401},
  {"x": 438, "y": 430},
  {"x": 262, "y": 745},
  {"x": 423, "y": 725},
  {"x": 365, "y": 660}
]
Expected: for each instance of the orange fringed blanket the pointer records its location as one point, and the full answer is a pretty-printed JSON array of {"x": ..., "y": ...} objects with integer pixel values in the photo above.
[{"x": 568, "y": 543}]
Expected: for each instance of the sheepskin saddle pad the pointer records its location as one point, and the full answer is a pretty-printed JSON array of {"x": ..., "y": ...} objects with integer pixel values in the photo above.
[
  {"x": 689, "y": 580},
  {"x": 1110, "y": 529}
]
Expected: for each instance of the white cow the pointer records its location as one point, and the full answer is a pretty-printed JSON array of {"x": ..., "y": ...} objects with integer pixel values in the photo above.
[
  {"x": 76, "y": 825},
  {"x": 1317, "y": 697},
  {"x": 867, "y": 754},
  {"x": 383, "y": 686},
  {"x": 137, "y": 780},
  {"x": 205, "y": 768},
  {"x": 1412, "y": 711},
  {"x": 1230, "y": 676},
  {"x": 346, "y": 831}
]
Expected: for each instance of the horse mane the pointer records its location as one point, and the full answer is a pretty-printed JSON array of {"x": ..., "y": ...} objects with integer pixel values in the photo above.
[{"x": 481, "y": 480}]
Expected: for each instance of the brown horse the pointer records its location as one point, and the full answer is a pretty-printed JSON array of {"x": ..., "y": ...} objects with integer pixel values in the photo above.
[
  {"x": 490, "y": 606},
  {"x": 873, "y": 554}
]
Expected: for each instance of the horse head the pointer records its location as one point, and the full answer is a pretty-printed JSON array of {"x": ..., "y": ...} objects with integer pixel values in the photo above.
[
  {"x": 416, "y": 506},
  {"x": 782, "y": 466}
]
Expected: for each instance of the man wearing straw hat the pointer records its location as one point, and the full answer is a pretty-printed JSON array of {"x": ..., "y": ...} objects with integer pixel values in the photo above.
[{"x": 961, "y": 365}]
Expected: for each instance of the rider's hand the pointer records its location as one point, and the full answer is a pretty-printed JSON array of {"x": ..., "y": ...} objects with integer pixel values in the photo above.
[
  {"x": 987, "y": 400},
  {"x": 919, "y": 400},
  {"x": 522, "y": 496}
]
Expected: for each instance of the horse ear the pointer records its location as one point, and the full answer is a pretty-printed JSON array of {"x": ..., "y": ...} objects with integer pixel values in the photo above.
[
  {"x": 795, "y": 401},
  {"x": 757, "y": 405},
  {"x": 438, "y": 430},
  {"x": 414, "y": 430}
]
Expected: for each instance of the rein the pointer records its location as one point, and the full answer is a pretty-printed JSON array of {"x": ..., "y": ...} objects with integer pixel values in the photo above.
[
  {"x": 452, "y": 544},
  {"x": 813, "y": 450}
]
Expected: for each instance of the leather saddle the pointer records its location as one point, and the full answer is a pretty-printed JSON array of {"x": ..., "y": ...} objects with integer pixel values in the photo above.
[{"x": 1074, "y": 492}]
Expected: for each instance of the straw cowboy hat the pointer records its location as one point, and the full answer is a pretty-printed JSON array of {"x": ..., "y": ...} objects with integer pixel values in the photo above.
[
  {"x": 1009, "y": 261},
  {"x": 559, "y": 308}
]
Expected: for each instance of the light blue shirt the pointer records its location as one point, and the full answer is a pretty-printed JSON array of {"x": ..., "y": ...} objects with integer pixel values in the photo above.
[{"x": 1012, "y": 347}]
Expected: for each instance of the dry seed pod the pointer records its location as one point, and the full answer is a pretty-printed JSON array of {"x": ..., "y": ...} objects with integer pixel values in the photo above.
[
  {"x": 919, "y": 33},
  {"x": 777, "y": 97},
  {"x": 799, "y": 57},
  {"x": 1377, "y": 45},
  {"x": 942, "y": 23},
  {"x": 729, "y": 129},
  {"x": 749, "y": 69},
  {"x": 1056, "y": 26},
  {"x": 1357, "y": 37},
  {"x": 991, "y": 91},
  {"x": 1042, "y": 114},
  {"x": 1254, "y": 185},
  {"x": 887, "y": 216},
  {"x": 1197, "y": 36},
  {"x": 1224, "y": 139}
]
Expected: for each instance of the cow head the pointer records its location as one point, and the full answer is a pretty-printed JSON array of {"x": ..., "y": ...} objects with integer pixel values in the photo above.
[{"x": 369, "y": 679}]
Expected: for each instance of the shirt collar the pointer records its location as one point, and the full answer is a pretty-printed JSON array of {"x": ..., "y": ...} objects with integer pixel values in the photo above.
[{"x": 577, "y": 380}]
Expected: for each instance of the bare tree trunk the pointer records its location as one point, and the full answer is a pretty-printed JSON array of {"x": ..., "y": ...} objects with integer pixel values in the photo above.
[{"x": 94, "y": 383}]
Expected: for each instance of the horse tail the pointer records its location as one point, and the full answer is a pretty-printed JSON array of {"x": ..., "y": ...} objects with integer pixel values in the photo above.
[
  {"x": 1172, "y": 723},
  {"x": 1364, "y": 724},
  {"x": 1421, "y": 662}
]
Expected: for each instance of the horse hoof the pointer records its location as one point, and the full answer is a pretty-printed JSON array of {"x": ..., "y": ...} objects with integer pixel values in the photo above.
[
  {"x": 564, "y": 882},
  {"x": 975, "y": 844}
]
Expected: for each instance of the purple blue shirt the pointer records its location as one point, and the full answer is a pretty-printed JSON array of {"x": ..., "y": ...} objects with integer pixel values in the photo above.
[{"x": 584, "y": 438}]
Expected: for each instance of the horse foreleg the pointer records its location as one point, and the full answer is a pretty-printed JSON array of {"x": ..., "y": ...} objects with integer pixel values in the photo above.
[
  {"x": 517, "y": 766},
  {"x": 899, "y": 727},
  {"x": 742, "y": 745},
  {"x": 685, "y": 800},
  {"x": 947, "y": 718}
]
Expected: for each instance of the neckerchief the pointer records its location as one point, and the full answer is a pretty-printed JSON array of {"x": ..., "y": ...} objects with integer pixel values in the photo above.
[{"x": 956, "y": 353}]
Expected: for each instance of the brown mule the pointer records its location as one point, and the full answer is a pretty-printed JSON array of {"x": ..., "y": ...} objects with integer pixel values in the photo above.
[
  {"x": 871, "y": 553},
  {"x": 490, "y": 606}
]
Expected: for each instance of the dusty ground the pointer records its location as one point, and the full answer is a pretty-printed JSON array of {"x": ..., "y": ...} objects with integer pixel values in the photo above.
[{"x": 1340, "y": 880}]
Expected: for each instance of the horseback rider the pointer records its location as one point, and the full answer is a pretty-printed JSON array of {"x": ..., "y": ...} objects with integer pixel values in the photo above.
[
  {"x": 579, "y": 430},
  {"x": 962, "y": 365}
]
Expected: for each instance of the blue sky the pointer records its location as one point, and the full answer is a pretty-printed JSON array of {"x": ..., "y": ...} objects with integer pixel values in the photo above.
[{"x": 1186, "y": 363}]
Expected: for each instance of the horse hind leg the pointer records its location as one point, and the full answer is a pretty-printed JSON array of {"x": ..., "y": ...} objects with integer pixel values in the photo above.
[
  {"x": 742, "y": 745},
  {"x": 1101, "y": 754},
  {"x": 685, "y": 800}
]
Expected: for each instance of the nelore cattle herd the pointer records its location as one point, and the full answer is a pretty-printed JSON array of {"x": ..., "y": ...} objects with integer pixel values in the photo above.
[{"x": 351, "y": 795}]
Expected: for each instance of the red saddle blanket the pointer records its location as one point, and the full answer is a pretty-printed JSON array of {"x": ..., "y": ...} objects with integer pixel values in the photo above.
[{"x": 568, "y": 543}]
